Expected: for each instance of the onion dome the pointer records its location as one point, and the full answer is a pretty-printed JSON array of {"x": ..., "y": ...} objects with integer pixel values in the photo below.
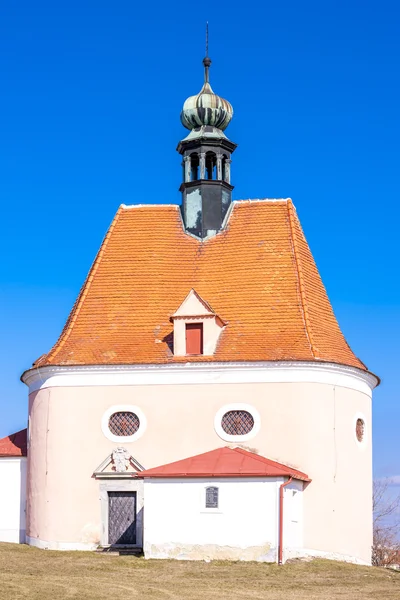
[{"x": 206, "y": 108}]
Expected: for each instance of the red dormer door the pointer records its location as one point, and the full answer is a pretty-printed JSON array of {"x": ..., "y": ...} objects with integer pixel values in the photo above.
[{"x": 194, "y": 338}]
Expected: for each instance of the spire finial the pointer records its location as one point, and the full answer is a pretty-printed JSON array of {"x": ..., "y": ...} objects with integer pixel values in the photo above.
[{"x": 207, "y": 59}]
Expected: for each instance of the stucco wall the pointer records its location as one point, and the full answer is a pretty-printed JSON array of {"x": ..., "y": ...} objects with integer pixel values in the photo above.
[
  {"x": 243, "y": 527},
  {"x": 12, "y": 499},
  {"x": 310, "y": 426}
]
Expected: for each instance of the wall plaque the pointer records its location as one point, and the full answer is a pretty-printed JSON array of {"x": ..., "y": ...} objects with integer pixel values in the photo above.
[{"x": 212, "y": 497}]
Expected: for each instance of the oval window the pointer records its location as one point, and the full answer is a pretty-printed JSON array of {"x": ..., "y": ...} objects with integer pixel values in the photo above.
[
  {"x": 124, "y": 423},
  {"x": 360, "y": 430},
  {"x": 237, "y": 422}
]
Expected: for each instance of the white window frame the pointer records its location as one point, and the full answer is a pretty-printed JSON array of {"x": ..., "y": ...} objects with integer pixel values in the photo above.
[
  {"x": 237, "y": 438},
  {"x": 126, "y": 439}
]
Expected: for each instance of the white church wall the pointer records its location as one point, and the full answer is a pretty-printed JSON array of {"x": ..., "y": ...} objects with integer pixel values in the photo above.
[
  {"x": 243, "y": 527},
  {"x": 309, "y": 426},
  {"x": 12, "y": 499}
]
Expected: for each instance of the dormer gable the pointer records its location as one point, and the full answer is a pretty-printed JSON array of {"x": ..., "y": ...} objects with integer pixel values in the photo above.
[
  {"x": 194, "y": 305},
  {"x": 197, "y": 327}
]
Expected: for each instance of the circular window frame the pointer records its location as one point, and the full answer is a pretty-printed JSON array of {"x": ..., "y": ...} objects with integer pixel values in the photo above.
[
  {"x": 363, "y": 442},
  {"x": 227, "y": 437},
  {"x": 126, "y": 439}
]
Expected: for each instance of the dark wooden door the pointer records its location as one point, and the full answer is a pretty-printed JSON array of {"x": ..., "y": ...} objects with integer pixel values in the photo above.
[{"x": 122, "y": 518}]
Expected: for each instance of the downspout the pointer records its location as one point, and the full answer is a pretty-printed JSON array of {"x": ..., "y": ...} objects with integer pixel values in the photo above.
[{"x": 280, "y": 534}]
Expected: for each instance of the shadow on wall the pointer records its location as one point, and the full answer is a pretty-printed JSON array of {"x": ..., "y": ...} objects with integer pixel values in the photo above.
[
  {"x": 19, "y": 440},
  {"x": 22, "y": 504},
  {"x": 169, "y": 340},
  {"x": 129, "y": 534}
]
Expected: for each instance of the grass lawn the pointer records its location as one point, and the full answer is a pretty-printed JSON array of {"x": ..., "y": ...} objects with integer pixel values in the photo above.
[{"x": 30, "y": 573}]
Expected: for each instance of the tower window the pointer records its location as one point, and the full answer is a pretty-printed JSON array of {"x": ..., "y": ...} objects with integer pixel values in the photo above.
[{"x": 194, "y": 338}]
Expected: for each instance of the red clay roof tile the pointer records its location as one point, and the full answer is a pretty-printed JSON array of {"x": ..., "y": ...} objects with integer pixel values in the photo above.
[{"x": 258, "y": 275}]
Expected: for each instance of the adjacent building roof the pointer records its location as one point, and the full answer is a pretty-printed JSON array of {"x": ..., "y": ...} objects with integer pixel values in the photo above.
[
  {"x": 225, "y": 462},
  {"x": 14, "y": 444},
  {"x": 258, "y": 275}
]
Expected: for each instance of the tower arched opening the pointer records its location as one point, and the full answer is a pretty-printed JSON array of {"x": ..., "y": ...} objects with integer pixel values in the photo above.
[
  {"x": 211, "y": 165},
  {"x": 224, "y": 170},
  {"x": 194, "y": 166}
]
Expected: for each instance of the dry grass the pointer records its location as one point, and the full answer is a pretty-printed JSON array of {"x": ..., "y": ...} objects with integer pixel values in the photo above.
[{"x": 30, "y": 573}]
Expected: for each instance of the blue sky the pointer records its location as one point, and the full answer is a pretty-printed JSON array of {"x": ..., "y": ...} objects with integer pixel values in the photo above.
[{"x": 90, "y": 102}]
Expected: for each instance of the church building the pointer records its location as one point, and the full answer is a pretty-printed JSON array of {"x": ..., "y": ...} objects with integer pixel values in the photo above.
[{"x": 201, "y": 401}]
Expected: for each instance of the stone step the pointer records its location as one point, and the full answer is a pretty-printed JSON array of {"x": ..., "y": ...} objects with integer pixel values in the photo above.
[{"x": 119, "y": 550}]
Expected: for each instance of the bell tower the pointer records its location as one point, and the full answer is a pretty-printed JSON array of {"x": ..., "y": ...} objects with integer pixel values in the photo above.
[{"x": 206, "y": 187}]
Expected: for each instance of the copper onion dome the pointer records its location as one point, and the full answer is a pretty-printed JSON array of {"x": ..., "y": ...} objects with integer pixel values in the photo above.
[{"x": 206, "y": 108}]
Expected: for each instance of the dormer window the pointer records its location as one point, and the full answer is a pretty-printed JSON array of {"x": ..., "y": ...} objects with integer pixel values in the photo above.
[
  {"x": 196, "y": 327},
  {"x": 194, "y": 338}
]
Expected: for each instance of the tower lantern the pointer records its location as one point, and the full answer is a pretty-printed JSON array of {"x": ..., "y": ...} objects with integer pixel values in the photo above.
[{"x": 206, "y": 151}]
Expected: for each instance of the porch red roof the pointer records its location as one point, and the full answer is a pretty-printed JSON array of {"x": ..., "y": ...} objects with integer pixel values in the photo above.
[
  {"x": 225, "y": 462},
  {"x": 14, "y": 444}
]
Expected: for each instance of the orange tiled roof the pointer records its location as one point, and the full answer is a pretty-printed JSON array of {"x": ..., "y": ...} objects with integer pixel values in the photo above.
[
  {"x": 14, "y": 444},
  {"x": 258, "y": 275}
]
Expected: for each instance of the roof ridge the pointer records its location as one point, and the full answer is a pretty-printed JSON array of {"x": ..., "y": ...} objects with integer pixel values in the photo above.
[
  {"x": 162, "y": 204},
  {"x": 254, "y": 200},
  {"x": 83, "y": 291},
  {"x": 171, "y": 204},
  {"x": 300, "y": 278}
]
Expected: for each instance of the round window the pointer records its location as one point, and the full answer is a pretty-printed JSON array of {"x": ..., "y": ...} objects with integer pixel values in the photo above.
[
  {"x": 237, "y": 422},
  {"x": 360, "y": 430},
  {"x": 123, "y": 423}
]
